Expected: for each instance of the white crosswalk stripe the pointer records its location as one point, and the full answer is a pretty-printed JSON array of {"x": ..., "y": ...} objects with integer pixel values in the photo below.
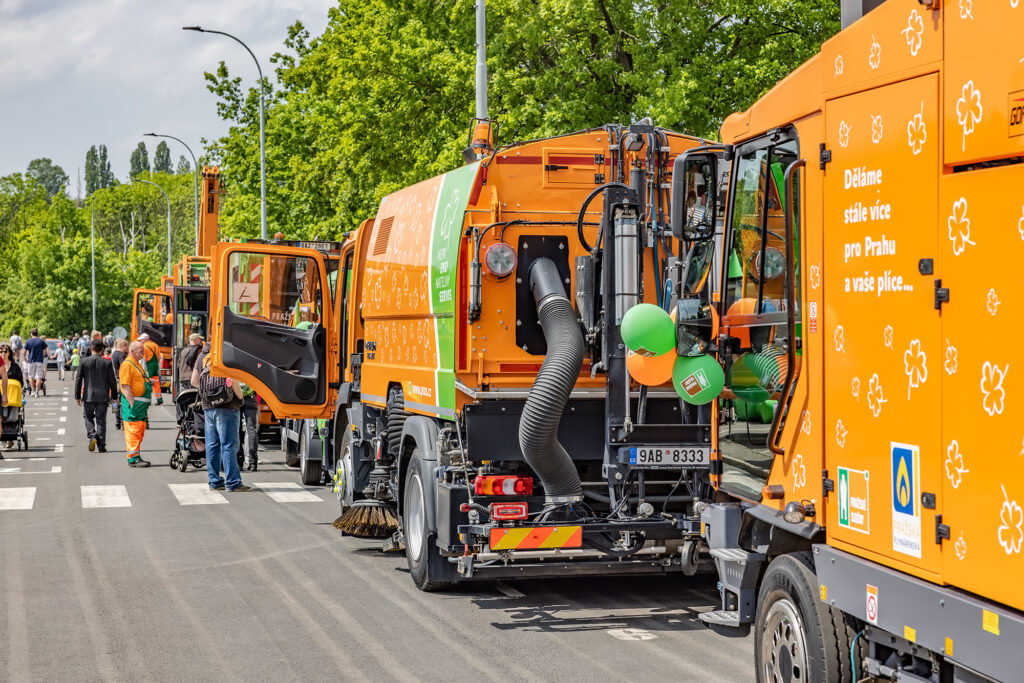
[
  {"x": 105, "y": 497},
  {"x": 287, "y": 492},
  {"x": 196, "y": 494},
  {"x": 17, "y": 498}
]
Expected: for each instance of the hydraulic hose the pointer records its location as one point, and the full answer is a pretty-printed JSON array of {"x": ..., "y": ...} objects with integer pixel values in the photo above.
[{"x": 538, "y": 428}]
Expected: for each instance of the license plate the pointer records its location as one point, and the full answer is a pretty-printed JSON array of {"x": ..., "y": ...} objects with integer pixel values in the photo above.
[{"x": 670, "y": 456}]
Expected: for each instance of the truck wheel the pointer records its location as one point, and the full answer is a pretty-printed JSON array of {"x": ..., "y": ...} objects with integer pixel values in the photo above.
[
  {"x": 420, "y": 542},
  {"x": 345, "y": 473},
  {"x": 798, "y": 637},
  {"x": 311, "y": 471}
]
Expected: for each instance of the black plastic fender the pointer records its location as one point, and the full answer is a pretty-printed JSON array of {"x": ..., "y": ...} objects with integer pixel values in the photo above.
[
  {"x": 314, "y": 446},
  {"x": 420, "y": 432}
]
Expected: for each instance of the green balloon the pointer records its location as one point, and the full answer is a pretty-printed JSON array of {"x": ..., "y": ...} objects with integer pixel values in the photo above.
[
  {"x": 648, "y": 330},
  {"x": 698, "y": 379}
]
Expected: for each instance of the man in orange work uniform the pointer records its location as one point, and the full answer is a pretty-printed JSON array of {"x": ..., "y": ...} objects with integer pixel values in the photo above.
[
  {"x": 136, "y": 394},
  {"x": 152, "y": 360}
]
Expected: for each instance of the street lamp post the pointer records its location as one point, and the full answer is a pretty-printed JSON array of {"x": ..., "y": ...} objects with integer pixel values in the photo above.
[
  {"x": 195, "y": 177},
  {"x": 149, "y": 182},
  {"x": 263, "y": 146},
  {"x": 92, "y": 239}
]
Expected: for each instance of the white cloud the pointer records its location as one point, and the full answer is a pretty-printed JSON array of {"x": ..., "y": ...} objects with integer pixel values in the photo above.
[{"x": 76, "y": 74}]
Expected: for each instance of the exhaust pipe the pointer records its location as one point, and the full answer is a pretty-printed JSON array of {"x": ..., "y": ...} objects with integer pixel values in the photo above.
[{"x": 538, "y": 428}]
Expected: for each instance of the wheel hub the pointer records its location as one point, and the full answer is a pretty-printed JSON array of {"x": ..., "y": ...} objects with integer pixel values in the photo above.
[
  {"x": 784, "y": 648},
  {"x": 344, "y": 477},
  {"x": 414, "y": 519}
]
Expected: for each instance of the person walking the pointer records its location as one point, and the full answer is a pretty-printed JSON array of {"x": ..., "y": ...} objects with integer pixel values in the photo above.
[
  {"x": 221, "y": 398},
  {"x": 76, "y": 362},
  {"x": 152, "y": 358},
  {"x": 83, "y": 343},
  {"x": 249, "y": 428},
  {"x": 187, "y": 359},
  {"x": 136, "y": 395},
  {"x": 95, "y": 388},
  {"x": 17, "y": 345},
  {"x": 36, "y": 352},
  {"x": 117, "y": 357},
  {"x": 60, "y": 356}
]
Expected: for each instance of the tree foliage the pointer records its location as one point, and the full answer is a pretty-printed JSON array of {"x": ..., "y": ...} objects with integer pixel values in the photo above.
[
  {"x": 139, "y": 160},
  {"x": 49, "y": 175},
  {"x": 183, "y": 165},
  {"x": 384, "y": 97},
  {"x": 162, "y": 159},
  {"x": 97, "y": 169}
]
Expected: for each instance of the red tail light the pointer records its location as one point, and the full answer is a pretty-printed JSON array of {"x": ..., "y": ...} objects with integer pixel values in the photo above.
[
  {"x": 503, "y": 486},
  {"x": 509, "y": 510}
]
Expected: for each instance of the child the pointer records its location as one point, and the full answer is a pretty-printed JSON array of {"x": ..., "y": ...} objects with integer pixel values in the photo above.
[
  {"x": 61, "y": 357},
  {"x": 76, "y": 360}
]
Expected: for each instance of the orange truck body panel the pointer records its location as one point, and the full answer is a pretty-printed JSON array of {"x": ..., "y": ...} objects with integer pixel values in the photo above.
[{"x": 923, "y": 113}]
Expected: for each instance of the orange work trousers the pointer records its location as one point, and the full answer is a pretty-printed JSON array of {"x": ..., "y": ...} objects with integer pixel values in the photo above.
[{"x": 133, "y": 433}]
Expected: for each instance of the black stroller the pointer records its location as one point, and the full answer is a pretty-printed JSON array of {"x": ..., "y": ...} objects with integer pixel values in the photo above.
[
  {"x": 12, "y": 418},
  {"x": 190, "y": 444}
]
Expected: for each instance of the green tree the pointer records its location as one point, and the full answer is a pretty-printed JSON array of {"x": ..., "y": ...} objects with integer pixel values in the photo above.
[
  {"x": 139, "y": 160},
  {"x": 162, "y": 159},
  {"x": 92, "y": 181},
  {"x": 48, "y": 174},
  {"x": 183, "y": 166}
]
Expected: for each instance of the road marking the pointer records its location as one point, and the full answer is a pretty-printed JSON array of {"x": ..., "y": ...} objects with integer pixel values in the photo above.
[
  {"x": 287, "y": 492},
  {"x": 58, "y": 448},
  {"x": 64, "y": 409},
  {"x": 105, "y": 497},
  {"x": 17, "y": 498},
  {"x": 196, "y": 494},
  {"x": 44, "y": 438},
  {"x": 9, "y": 470},
  {"x": 508, "y": 590},
  {"x": 55, "y": 469},
  {"x": 631, "y": 634},
  {"x": 64, "y": 418},
  {"x": 61, "y": 432},
  {"x": 65, "y": 399}
]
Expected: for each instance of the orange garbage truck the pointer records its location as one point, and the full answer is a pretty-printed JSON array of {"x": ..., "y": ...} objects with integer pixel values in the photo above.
[
  {"x": 469, "y": 357},
  {"x": 872, "y": 527}
]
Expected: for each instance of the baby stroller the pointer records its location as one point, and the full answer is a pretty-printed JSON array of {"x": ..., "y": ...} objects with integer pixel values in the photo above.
[
  {"x": 12, "y": 417},
  {"x": 190, "y": 444}
]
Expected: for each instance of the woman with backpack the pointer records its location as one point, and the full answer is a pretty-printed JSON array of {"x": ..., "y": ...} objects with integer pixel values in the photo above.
[{"x": 221, "y": 398}]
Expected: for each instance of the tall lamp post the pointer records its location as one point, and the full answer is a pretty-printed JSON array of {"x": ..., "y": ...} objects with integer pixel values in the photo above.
[
  {"x": 92, "y": 239},
  {"x": 195, "y": 176},
  {"x": 263, "y": 146},
  {"x": 149, "y": 182}
]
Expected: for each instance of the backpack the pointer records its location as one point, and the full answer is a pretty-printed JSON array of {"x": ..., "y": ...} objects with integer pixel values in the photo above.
[{"x": 214, "y": 391}]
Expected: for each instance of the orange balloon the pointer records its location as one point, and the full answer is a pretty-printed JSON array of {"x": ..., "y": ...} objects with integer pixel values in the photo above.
[{"x": 651, "y": 370}]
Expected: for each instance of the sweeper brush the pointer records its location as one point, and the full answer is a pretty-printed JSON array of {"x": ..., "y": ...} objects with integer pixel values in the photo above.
[{"x": 368, "y": 519}]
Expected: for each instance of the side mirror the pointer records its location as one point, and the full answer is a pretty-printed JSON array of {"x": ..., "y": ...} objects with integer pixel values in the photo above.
[{"x": 694, "y": 195}]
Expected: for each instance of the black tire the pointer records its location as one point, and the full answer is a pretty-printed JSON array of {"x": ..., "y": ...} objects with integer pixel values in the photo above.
[
  {"x": 798, "y": 637},
  {"x": 310, "y": 471},
  {"x": 420, "y": 542}
]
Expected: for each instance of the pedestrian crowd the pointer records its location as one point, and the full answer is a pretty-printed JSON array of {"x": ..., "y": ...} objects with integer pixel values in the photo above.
[{"x": 125, "y": 376}]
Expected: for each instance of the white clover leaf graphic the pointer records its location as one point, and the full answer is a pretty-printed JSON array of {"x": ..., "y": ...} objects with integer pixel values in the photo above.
[
  {"x": 959, "y": 226},
  {"x": 917, "y": 134},
  {"x": 838, "y": 337},
  {"x": 915, "y": 362},
  {"x": 913, "y": 31},
  {"x": 950, "y": 363},
  {"x": 876, "y": 128},
  {"x": 839, "y": 65},
  {"x": 844, "y": 134},
  {"x": 841, "y": 434},
  {"x": 961, "y": 547},
  {"x": 1020, "y": 223},
  {"x": 875, "y": 58},
  {"x": 887, "y": 336},
  {"x": 805, "y": 422},
  {"x": 992, "y": 302},
  {"x": 875, "y": 396},
  {"x": 965, "y": 9},
  {"x": 814, "y": 276},
  {"x": 799, "y": 473},
  {"x": 1011, "y": 517},
  {"x": 955, "y": 469},
  {"x": 993, "y": 394},
  {"x": 968, "y": 110},
  {"x": 855, "y": 387}
]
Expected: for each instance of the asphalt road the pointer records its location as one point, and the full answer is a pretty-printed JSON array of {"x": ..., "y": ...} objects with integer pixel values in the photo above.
[{"x": 131, "y": 584}]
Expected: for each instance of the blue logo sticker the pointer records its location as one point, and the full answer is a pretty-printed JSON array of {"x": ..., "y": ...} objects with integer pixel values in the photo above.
[{"x": 904, "y": 485}]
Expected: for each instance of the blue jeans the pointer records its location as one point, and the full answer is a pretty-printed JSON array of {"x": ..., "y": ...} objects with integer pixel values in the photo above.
[{"x": 222, "y": 447}]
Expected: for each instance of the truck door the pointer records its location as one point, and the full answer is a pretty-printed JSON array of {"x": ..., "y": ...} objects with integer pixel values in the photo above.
[
  {"x": 883, "y": 356},
  {"x": 151, "y": 313},
  {"x": 272, "y": 326}
]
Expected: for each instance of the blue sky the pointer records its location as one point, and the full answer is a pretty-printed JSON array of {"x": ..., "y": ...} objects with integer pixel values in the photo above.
[{"x": 80, "y": 73}]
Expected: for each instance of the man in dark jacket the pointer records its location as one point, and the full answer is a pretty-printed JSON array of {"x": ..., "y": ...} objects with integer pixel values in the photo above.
[
  {"x": 95, "y": 388},
  {"x": 117, "y": 357}
]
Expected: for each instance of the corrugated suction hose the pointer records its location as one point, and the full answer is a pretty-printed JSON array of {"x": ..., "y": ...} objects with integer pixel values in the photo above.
[{"x": 538, "y": 429}]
